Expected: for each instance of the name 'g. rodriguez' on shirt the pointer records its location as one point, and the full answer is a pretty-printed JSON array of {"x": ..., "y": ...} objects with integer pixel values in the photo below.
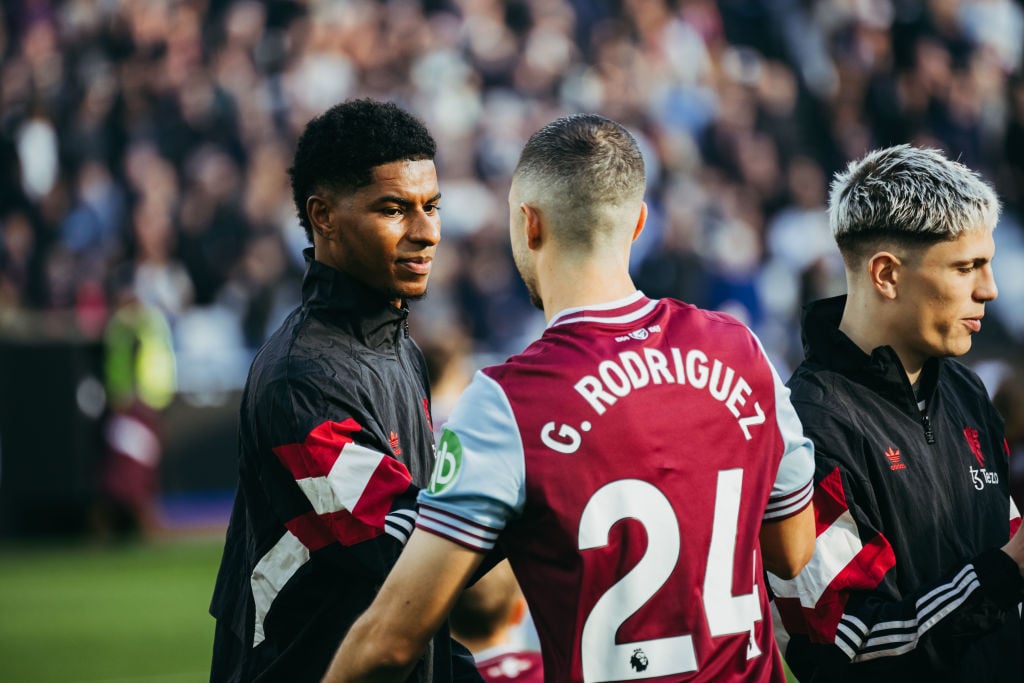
[
  {"x": 625, "y": 462},
  {"x": 616, "y": 378}
]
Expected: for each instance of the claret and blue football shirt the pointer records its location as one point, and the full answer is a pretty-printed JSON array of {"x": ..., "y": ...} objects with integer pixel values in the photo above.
[{"x": 625, "y": 462}]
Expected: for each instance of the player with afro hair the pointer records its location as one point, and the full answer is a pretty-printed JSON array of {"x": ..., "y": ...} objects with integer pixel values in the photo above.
[{"x": 339, "y": 149}]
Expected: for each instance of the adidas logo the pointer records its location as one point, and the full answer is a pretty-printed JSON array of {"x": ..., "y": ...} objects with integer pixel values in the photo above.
[{"x": 893, "y": 456}]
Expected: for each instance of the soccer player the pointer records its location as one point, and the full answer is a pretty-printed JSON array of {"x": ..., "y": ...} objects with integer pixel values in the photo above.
[
  {"x": 335, "y": 432},
  {"x": 628, "y": 462},
  {"x": 913, "y": 577}
]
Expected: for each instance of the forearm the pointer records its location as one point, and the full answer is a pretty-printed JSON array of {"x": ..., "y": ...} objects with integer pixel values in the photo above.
[
  {"x": 931, "y": 627},
  {"x": 970, "y": 604},
  {"x": 369, "y": 656},
  {"x": 385, "y": 642},
  {"x": 788, "y": 544}
]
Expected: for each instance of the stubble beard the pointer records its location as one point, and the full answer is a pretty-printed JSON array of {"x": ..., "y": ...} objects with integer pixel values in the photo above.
[
  {"x": 534, "y": 297},
  {"x": 392, "y": 294},
  {"x": 413, "y": 297},
  {"x": 521, "y": 262}
]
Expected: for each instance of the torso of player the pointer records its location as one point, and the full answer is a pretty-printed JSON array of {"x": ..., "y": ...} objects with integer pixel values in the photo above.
[
  {"x": 956, "y": 484},
  {"x": 650, "y": 450}
]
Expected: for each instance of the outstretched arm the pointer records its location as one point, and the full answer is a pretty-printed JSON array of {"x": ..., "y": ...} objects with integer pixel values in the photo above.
[{"x": 385, "y": 643}]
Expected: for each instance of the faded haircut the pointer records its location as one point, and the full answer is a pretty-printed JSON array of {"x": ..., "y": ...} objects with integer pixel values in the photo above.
[
  {"x": 908, "y": 197},
  {"x": 585, "y": 168}
]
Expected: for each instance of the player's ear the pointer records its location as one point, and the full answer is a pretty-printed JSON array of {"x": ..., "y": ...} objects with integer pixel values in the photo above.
[
  {"x": 533, "y": 225},
  {"x": 640, "y": 222},
  {"x": 319, "y": 211},
  {"x": 884, "y": 272}
]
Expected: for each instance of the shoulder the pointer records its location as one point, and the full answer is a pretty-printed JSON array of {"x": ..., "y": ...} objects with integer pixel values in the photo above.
[
  {"x": 833, "y": 412},
  {"x": 681, "y": 311},
  {"x": 719, "y": 319},
  {"x": 285, "y": 360},
  {"x": 484, "y": 402},
  {"x": 297, "y": 381},
  {"x": 822, "y": 388},
  {"x": 956, "y": 373},
  {"x": 713, "y": 330},
  {"x": 964, "y": 388}
]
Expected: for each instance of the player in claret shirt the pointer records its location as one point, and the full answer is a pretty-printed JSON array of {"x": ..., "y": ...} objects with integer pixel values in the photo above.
[{"x": 638, "y": 464}]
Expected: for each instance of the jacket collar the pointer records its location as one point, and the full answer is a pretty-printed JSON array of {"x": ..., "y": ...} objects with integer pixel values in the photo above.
[
  {"x": 881, "y": 371},
  {"x": 347, "y": 303}
]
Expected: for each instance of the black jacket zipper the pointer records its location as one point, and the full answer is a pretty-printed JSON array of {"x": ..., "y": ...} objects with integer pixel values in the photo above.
[{"x": 929, "y": 435}]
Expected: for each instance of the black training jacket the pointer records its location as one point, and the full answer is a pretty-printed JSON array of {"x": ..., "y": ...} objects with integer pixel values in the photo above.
[
  {"x": 907, "y": 582},
  {"x": 335, "y": 441}
]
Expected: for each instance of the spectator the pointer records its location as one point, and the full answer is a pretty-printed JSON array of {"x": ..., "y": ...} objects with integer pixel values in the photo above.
[
  {"x": 139, "y": 369},
  {"x": 109, "y": 106},
  {"x": 732, "y": 96},
  {"x": 485, "y": 619}
]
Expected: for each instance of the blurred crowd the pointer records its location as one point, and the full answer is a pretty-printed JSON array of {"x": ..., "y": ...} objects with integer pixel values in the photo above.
[{"x": 144, "y": 147}]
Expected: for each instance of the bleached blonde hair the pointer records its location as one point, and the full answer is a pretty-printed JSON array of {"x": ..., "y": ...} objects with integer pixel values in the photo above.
[{"x": 907, "y": 196}]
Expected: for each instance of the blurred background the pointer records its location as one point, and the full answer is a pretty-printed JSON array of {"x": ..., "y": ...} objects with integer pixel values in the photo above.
[{"x": 149, "y": 244}]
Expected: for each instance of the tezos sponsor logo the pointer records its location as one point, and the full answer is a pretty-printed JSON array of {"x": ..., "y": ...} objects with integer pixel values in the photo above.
[{"x": 980, "y": 477}]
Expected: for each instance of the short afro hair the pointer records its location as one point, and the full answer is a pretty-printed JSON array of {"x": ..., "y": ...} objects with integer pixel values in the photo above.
[{"x": 339, "y": 149}]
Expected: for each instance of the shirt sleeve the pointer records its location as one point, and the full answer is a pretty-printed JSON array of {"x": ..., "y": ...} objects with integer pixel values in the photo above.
[
  {"x": 350, "y": 487},
  {"x": 324, "y": 478},
  {"x": 312, "y": 468},
  {"x": 794, "y": 483},
  {"x": 478, "y": 482}
]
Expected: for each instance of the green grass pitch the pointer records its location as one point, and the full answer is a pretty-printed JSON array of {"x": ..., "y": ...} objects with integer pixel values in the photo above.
[
  {"x": 112, "y": 614},
  {"x": 131, "y": 613}
]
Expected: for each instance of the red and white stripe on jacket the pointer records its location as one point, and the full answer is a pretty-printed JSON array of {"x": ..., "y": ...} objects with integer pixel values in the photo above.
[
  {"x": 350, "y": 488},
  {"x": 813, "y": 603}
]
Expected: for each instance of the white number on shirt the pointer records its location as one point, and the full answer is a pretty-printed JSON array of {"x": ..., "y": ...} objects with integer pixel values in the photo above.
[{"x": 605, "y": 660}]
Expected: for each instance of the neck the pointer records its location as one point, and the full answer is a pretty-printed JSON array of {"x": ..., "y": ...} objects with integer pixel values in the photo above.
[
  {"x": 868, "y": 327},
  {"x": 566, "y": 283}
]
